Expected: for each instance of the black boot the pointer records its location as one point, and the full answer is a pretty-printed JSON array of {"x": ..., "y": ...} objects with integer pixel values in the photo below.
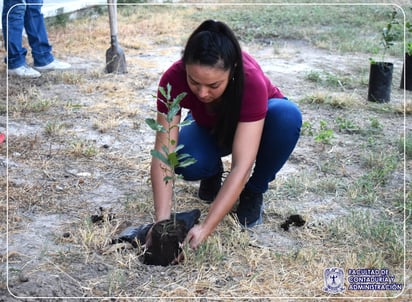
[
  {"x": 250, "y": 209},
  {"x": 209, "y": 187}
]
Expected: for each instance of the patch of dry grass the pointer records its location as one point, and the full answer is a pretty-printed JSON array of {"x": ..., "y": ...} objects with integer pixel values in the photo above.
[{"x": 335, "y": 99}]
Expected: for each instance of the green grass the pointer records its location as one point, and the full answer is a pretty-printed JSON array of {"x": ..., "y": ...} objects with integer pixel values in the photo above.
[
  {"x": 379, "y": 239},
  {"x": 379, "y": 167},
  {"x": 353, "y": 28},
  {"x": 53, "y": 128},
  {"x": 325, "y": 134},
  {"x": 30, "y": 101},
  {"x": 83, "y": 148},
  {"x": 405, "y": 145},
  {"x": 347, "y": 125},
  {"x": 330, "y": 80}
]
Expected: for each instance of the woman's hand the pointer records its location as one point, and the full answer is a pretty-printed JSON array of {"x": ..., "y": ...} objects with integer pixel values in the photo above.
[{"x": 196, "y": 236}]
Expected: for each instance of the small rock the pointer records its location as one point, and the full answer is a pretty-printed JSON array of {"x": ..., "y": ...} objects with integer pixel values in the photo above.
[
  {"x": 23, "y": 277},
  {"x": 66, "y": 235},
  {"x": 83, "y": 174}
]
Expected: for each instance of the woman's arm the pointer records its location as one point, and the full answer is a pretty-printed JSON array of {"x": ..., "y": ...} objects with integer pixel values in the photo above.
[
  {"x": 162, "y": 192},
  {"x": 244, "y": 151}
]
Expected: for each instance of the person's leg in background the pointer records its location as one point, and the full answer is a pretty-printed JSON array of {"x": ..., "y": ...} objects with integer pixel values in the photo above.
[
  {"x": 37, "y": 34},
  {"x": 19, "y": 14},
  {"x": 38, "y": 39},
  {"x": 12, "y": 24}
]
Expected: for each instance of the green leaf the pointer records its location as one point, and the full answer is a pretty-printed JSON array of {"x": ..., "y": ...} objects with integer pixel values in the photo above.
[
  {"x": 187, "y": 162},
  {"x": 165, "y": 150},
  {"x": 173, "y": 111},
  {"x": 163, "y": 92},
  {"x": 183, "y": 156},
  {"x": 179, "y": 147},
  {"x": 169, "y": 89},
  {"x": 178, "y": 99},
  {"x": 185, "y": 123},
  {"x": 154, "y": 125},
  {"x": 172, "y": 158},
  {"x": 155, "y": 153}
]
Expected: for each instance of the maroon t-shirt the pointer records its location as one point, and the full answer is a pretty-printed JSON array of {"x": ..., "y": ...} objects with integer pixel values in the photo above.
[{"x": 257, "y": 91}]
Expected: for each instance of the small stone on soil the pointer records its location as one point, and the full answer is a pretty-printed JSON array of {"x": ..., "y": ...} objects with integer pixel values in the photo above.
[
  {"x": 23, "y": 278},
  {"x": 66, "y": 235}
]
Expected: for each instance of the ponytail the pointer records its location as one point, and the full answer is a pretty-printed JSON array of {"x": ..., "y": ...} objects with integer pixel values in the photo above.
[{"x": 214, "y": 44}]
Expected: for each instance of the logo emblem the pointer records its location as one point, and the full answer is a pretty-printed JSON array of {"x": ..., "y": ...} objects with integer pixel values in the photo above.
[{"x": 334, "y": 278}]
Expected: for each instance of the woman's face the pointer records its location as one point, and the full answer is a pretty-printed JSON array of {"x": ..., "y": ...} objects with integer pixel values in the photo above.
[{"x": 206, "y": 82}]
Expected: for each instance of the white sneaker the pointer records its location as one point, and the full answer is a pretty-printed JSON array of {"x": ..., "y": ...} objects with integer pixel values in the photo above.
[
  {"x": 55, "y": 65},
  {"x": 24, "y": 71}
]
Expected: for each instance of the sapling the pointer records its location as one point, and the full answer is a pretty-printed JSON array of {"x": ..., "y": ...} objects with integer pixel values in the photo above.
[
  {"x": 388, "y": 35},
  {"x": 380, "y": 76},
  {"x": 168, "y": 154}
]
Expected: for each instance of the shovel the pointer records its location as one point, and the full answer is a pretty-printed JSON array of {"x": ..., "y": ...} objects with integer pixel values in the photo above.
[{"x": 115, "y": 59}]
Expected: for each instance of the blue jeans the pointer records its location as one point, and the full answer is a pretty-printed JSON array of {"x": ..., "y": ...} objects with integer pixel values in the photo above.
[
  {"x": 280, "y": 134},
  {"x": 19, "y": 14}
]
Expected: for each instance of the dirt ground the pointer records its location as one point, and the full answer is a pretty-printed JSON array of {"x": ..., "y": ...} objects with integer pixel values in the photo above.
[{"x": 86, "y": 146}]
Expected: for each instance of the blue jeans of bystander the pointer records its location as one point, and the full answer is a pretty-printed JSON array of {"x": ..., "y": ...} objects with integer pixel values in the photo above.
[{"x": 19, "y": 14}]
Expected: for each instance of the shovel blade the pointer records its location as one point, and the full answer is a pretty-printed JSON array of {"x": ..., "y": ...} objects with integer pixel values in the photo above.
[{"x": 115, "y": 60}]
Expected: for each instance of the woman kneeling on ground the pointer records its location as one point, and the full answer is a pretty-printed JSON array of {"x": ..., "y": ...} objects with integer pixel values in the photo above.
[{"x": 235, "y": 110}]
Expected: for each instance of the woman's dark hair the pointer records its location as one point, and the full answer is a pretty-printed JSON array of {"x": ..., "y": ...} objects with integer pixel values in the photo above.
[{"x": 213, "y": 43}]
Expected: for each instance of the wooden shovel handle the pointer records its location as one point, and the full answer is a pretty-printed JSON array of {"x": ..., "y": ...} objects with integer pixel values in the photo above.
[{"x": 112, "y": 4}]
